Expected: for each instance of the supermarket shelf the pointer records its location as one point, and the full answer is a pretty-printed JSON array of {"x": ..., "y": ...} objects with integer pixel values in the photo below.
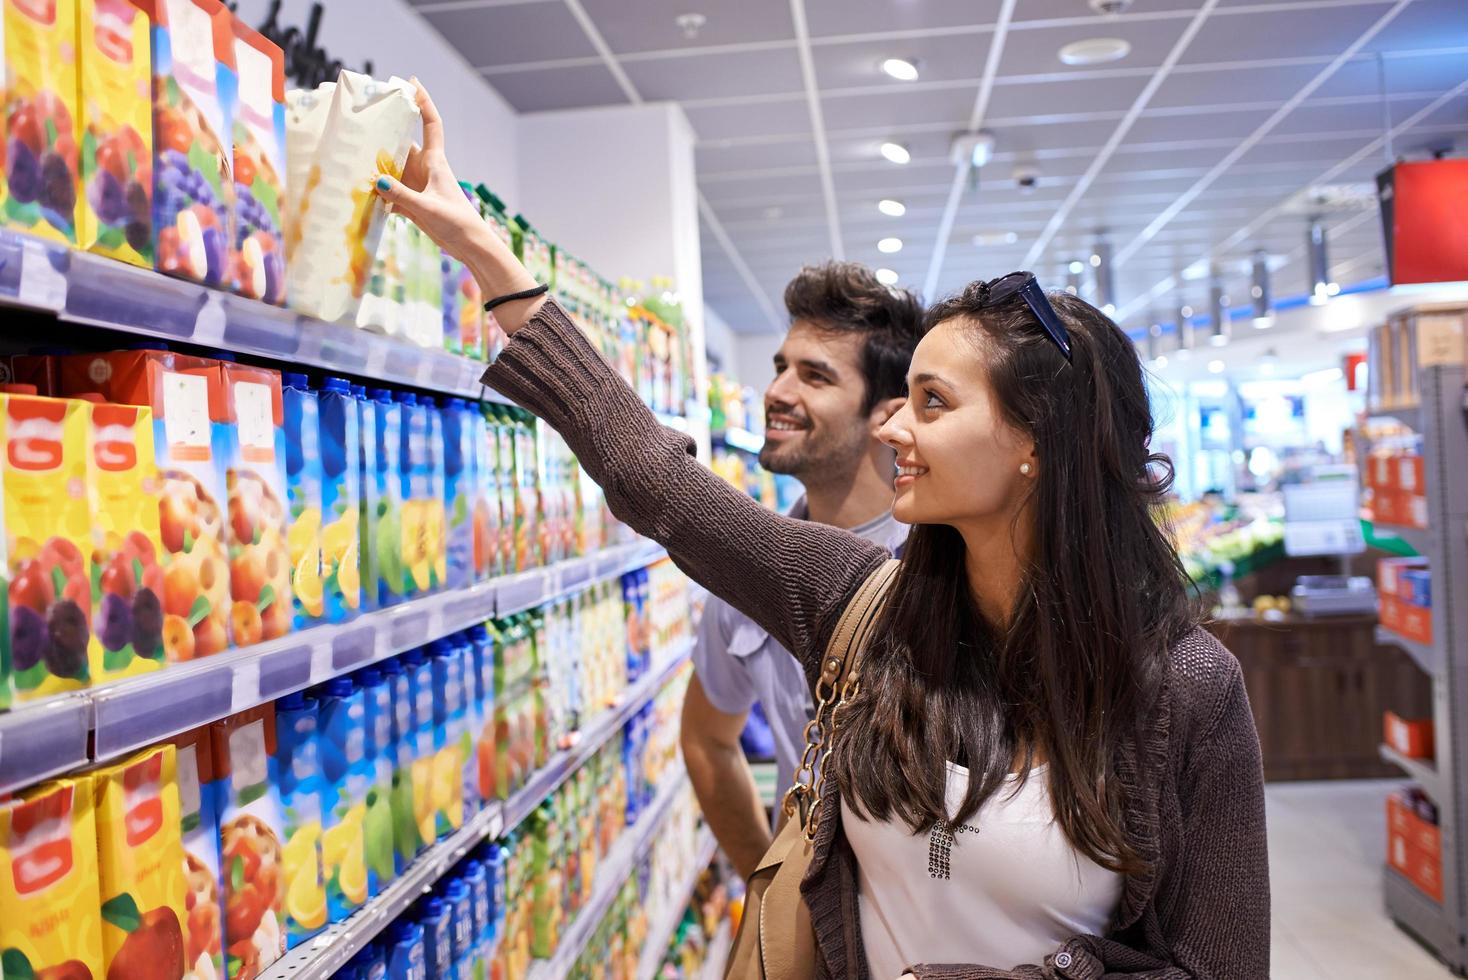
[
  {"x": 1418, "y": 537},
  {"x": 630, "y": 848},
  {"x": 328, "y": 952},
  {"x": 1416, "y": 912},
  {"x": 1408, "y": 415},
  {"x": 51, "y": 736},
  {"x": 660, "y": 934},
  {"x": 1422, "y": 771},
  {"x": 718, "y": 955},
  {"x": 1425, "y": 654},
  {"x": 79, "y": 287},
  {"x": 590, "y": 739},
  {"x": 741, "y": 439}
]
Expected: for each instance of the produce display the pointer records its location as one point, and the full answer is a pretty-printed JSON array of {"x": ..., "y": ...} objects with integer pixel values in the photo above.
[{"x": 1212, "y": 540}]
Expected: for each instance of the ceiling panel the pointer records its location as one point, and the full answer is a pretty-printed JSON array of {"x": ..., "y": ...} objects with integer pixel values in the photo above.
[
  {"x": 1157, "y": 126},
  {"x": 1230, "y": 86},
  {"x": 1050, "y": 98},
  {"x": 941, "y": 58},
  {"x": 1425, "y": 24},
  {"x": 711, "y": 159},
  {"x": 651, "y": 25},
  {"x": 716, "y": 75},
  {"x": 1403, "y": 74},
  {"x": 1038, "y": 50},
  {"x": 749, "y": 119},
  {"x": 1282, "y": 33},
  {"x": 513, "y": 34},
  {"x": 564, "y": 88},
  {"x": 897, "y": 108},
  {"x": 840, "y": 17},
  {"x": 1325, "y": 117}
]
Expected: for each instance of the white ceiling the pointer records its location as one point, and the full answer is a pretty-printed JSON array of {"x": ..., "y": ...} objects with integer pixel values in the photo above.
[{"x": 1188, "y": 150}]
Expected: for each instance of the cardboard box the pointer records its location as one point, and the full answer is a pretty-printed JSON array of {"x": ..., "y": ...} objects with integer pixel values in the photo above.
[
  {"x": 1413, "y": 510},
  {"x": 1389, "y": 572},
  {"x": 1415, "y": 587},
  {"x": 1412, "y": 622},
  {"x": 1411, "y": 474},
  {"x": 1426, "y": 872},
  {"x": 1411, "y": 737}
]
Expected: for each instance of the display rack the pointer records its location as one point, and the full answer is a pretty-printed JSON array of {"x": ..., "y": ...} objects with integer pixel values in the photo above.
[
  {"x": 741, "y": 439},
  {"x": 48, "y": 737},
  {"x": 660, "y": 933},
  {"x": 320, "y": 958},
  {"x": 1442, "y": 425}
]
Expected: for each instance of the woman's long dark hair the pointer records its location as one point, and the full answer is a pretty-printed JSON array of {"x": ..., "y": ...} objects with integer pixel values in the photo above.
[{"x": 1084, "y": 655}]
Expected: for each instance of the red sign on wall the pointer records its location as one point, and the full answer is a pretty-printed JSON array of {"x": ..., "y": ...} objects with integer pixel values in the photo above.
[{"x": 1424, "y": 213}]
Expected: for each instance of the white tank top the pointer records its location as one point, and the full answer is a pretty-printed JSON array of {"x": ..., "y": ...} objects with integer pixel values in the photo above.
[{"x": 1006, "y": 889}]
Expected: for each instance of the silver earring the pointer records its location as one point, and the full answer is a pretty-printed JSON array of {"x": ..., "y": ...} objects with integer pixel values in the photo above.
[{"x": 1024, "y": 468}]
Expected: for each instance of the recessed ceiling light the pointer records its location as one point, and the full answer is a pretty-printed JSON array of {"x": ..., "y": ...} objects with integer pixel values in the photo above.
[
  {"x": 886, "y": 277},
  {"x": 889, "y": 245},
  {"x": 1216, "y": 367},
  {"x": 1095, "y": 51},
  {"x": 1077, "y": 267},
  {"x": 891, "y": 208},
  {"x": 896, "y": 152},
  {"x": 900, "y": 69}
]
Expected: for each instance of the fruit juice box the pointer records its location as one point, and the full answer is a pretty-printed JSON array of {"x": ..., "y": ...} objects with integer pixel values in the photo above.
[
  {"x": 486, "y": 516},
  {"x": 127, "y": 587},
  {"x": 381, "y": 307},
  {"x": 341, "y": 507},
  {"x": 199, "y": 824},
  {"x": 437, "y": 512},
  {"x": 529, "y": 553},
  {"x": 438, "y": 944},
  {"x": 140, "y": 862},
  {"x": 384, "y": 531},
  {"x": 41, "y": 157},
  {"x": 404, "y": 738},
  {"x": 258, "y": 147},
  {"x": 473, "y": 723},
  {"x": 481, "y": 914},
  {"x": 500, "y": 420},
  {"x": 451, "y": 743},
  {"x": 378, "y": 829},
  {"x": 305, "y": 120},
  {"x": 300, "y": 414},
  {"x": 348, "y": 780},
  {"x": 463, "y": 309},
  {"x": 481, "y": 646},
  {"x": 115, "y": 211},
  {"x": 367, "y": 495},
  {"x": 251, "y": 841},
  {"x": 49, "y": 543},
  {"x": 303, "y": 790},
  {"x": 423, "y": 745},
  {"x": 52, "y": 927},
  {"x": 416, "y": 489},
  {"x": 368, "y": 964},
  {"x": 514, "y": 737},
  {"x": 261, "y": 606},
  {"x": 194, "y": 95},
  {"x": 191, "y": 443},
  {"x": 405, "y": 954},
  {"x": 455, "y": 893},
  {"x": 546, "y": 856},
  {"x": 459, "y": 477}
]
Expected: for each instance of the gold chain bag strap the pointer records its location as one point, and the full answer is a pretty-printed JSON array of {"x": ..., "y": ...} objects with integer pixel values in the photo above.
[{"x": 775, "y": 940}]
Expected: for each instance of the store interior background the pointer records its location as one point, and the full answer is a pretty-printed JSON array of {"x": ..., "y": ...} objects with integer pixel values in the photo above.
[{"x": 726, "y": 152}]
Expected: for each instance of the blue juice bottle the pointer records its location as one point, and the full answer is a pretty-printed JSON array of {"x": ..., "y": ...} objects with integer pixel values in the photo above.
[
  {"x": 348, "y": 779},
  {"x": 378, "y": 831},
  {"x": 438, "y": 946},
  {"x": 497, "y": 866},
  {"x": 416, "y": 491},
  {"x": 461, "y": 924},
  {"x": 369, "y": 964},
  {"x": 406, "y": 957},
  {"x": 406, "y": 841},
  {"x": 459, "y": 476},
  {"x": 341, "y": 569},
  {"x": 298, "y": 771},
  {"x": 303, "y": 491},
  {"x": 385, "y": 531},
  {"x": 481, "y": 915},
  {"x": 426, "y": 795},
  {"x": 367, "y": 495}
]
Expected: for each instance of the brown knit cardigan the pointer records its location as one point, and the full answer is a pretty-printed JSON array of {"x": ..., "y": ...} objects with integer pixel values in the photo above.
[{"x": 1194, "y": 784}]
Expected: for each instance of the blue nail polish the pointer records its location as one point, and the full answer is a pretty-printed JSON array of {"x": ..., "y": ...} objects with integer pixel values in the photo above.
[{"x": 384, "y": 184}]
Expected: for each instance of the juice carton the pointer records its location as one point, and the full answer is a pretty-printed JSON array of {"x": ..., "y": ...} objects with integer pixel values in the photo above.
[
  {"x": 546, "y": 854},
  {"x": 191, "y": 441},
  {"x": 485, "y": 507},
  {"x": 127, "y": 547},
  {"x": 381, "y": 309},
  {"x": 140, "y": 863},
  {"x": 41, "y": 114},
  {"x": 348, "y": 775},
  {"x": 115, "y": 213},
  {"x": 300, "y": 412},
  {"x": 48, "y": 883},
  {"x": 437, "y": 522},
  {"x": 423, "y": 745},
  {"x": 463, "y": 309},
  {"x": 261, "y": 607},
  {"x": 481, "y": 917},
  {"x": 450, "y": 737},
  {"x": 303, "y": 792},
  {"x": 305, "y": 120},
  {"x": 528, "y": 550},
  {"x": 367, "y": 498},
  {"x": 259, "y": 168},
  {"x": 251, "y": 836},
  {"x": 368, "y": 964},
  {"x": 455, "y": 894},
  {"x": 481, "y": 647},
  {"x": 406, "y": 841},
  {"x": 416, "y": 489},
  {"x": 49, "y": 544},
  {"x": 386, "y": 530},
  {"x": 514, "y": 709},
  {"x": 199, "y": 823},
  {"x": 502, "y": 443},
  {"x": 459, "y": 469},
  {"x": 194, "y": 94},
  {"x": 377, "y": 832},
  {"x": 438, "y": 944},
  {"x": 473, "y": 723},
  {"x": 405, "y": 954},
  {"x": 340, "y": 505}
]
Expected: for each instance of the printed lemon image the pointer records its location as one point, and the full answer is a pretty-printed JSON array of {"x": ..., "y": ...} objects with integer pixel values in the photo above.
[
  {"x": 447, "y": 790},
  {"x": 342, "y": 857},
  {"x": 305, "y": 895},
  {"x": 388, "y": 545},
  {"x": 303, "y": 541},
  {"x": 436, "y": 544},
  {"x": 377, "y": 834},
  {"x": 417, "y": 555},
  {"x": 340, "y": 568},
  {"x": 425, "y": 815}
]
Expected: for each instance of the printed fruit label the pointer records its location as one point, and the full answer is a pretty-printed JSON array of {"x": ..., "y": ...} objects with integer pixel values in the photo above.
[
  {"x": 303, "y": 489},
  {"x": 377, "y": 829},
  {"x": 348, "y": 779},
  {"x": 482, "y": 492},
  {"x": 386, "y": 530},
  {"x": 199, "y": 823},
  {"x": 259, "y": 169},
  {"x": 340, "y": 506},
  {"x": 259, "y": 558},
  {"x": 458, "y": 492},
  {"x": 302, "y": 787},
  {"x": 367, "y": 500},
  {"x": 40, "y": 158}
]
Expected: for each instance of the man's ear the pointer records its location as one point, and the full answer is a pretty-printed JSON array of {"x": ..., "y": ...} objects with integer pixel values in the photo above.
[{"x": 883, "y": 411}]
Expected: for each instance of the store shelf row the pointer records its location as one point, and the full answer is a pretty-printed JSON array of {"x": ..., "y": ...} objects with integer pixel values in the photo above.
[
  {"x": 325, "y": 954},
  {"x": 741, "y": 439},
  {"x": 79, "y": 287},
  {"x": 48, "y": 737},
  {"x": 660, "y": 933},
  {"x": 613, "y": 871},
  {"x": 1426, "y": 655},
  {"x": 1423, "y": 771},
  {"x": 1416, "y": 911},
  {"x": 1420, "y": 538}
]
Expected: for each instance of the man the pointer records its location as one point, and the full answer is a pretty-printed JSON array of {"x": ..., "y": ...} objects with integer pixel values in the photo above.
[{"x": 840, "y": 373}]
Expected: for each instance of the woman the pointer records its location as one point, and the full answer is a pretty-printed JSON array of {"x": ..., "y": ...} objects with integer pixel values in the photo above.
[{"x": 1050, "y": 770}]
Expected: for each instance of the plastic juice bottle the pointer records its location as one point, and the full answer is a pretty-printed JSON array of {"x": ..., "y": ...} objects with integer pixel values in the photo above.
[
  {"x": 377, "y": 831},
  {"x": 481, "y": 918},
  {"x": 482, "y": 652},
  {"x": 48, "y": 882},
  {"x": 386, "y": 530},
  {"x": 485, "y": 511},
  {"x": 473, "y": 723},
  {"x": 348, "y": 781},
  {"x": 415, "y": 491},
  {"x": 44, "y": 121},
  {"x": 340, "y": 504},
  {"x": 437, "y": 512},
  {"x": 406, "y": 840},
  {"x": 302, "y": 794},
  {"x": 458, "y": 491},
  {"x": 369, "y": 964},
  {"x": 512, "y": 521},
  {"x": 546, "y": 847},
  {"x": 367, "y": 494},
  {"x": 461, "y": 923},
  {"x": 448, "y": 734},
  {"x": 438, "y": 946},
  {"x": 406, "y": 959},
  {"x": 527, "y": 486},
  {"x": 259, "y": 168},
  {"x": 203, "y": 925},
  {"x": 303, "y": 489},
  {"x": 420, "y": 689}
]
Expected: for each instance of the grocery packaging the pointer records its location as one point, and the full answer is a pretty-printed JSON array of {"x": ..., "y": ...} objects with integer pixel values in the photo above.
[
  {"x": 383, "y": 306},
  {"x": 41, "y": 118},
  {"x": 368, "y": 130},
  {"x": 455, "y": 895},
  {"x": 405, "y": 954},
  {"x": 348, "y": 775},
  {"x": 422, "y": 742},
  {"x": 438, "y": 944},
  {"x": 485, "y": 504},
  {"x": 194, "y": 93},
  {"x": 420, "y": 502},
  {"x": 378, "y": 829},
  {"x": 302, "y": 424},
  {"x": 529, "y": 514},
  {"x": 367, "y": 495},
  {"x": 437, "y": 515},
  {"x": 406, "y": 840},
  {"x": 501, "y": 445},
  {"x": 515, "y": 712},
  {"x": 49, "y": 543},
  {"x": 115, "y": 212},
  {"x": 251, "y": 834},
  {"x": 463, "y": 309},
  {"x": 192, "y": 442},
  {"x": 261, "y": 606},
  {"x": 481, "y": 648},
  {"x": 460, "y": 479},
  {"x": 140, "y": 860},
  {"x": 303, "y": 794},
  {"x": 199, "y": 821},
  {"x": 127, "y": 589},
  {"x": 305, "y": 119},
  {"x": 369, "y": 964},
  {"x": 451, "y": 742},
  {"x": 386, "y": 530},
  {"x": 258, "y": 269},
  {"x": 340, "y": 505},
  {"x": 52, "y": 926}
]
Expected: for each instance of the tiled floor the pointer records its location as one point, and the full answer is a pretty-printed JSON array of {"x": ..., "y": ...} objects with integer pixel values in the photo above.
[{"x": 1327, "y": 844}]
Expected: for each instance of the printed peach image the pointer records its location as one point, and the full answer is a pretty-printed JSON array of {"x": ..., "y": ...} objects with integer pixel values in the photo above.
[
  {"x": 202, "y": 929},
  {"x": 187, "y": 514},
  {"x": 251, "y": 859},
  {"x": 260, "y": 562}
]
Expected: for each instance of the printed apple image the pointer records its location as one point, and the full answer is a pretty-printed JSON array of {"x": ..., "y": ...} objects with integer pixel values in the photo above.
[
  {"x": 154, "y": 947},
  {"x": 14, "y": 964}
]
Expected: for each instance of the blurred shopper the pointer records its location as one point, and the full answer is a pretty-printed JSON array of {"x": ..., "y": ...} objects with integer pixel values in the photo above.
[
  {"x": 839, "y": 376},
  {"x": 1047, "y": 769}
]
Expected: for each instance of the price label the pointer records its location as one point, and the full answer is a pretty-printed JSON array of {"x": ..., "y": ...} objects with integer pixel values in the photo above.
[
  {"x": 209, "y": 324},
  {"x": 321, "y": 667},
  {"x": 41, "y": 286},
  {"x": 376, "y": 359},
  {"x": 245, "y": 692}
]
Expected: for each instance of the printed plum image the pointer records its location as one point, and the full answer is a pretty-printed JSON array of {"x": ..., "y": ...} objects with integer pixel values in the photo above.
[{"x": 190, "y": 204}]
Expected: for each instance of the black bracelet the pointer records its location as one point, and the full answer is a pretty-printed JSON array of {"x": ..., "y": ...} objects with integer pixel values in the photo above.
[{"x": 540, "y": 290}]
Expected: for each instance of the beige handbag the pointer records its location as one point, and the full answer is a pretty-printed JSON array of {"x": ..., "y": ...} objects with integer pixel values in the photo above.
[{"x": 775, "y": 940}]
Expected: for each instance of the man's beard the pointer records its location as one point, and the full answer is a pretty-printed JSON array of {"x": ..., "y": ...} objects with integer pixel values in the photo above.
[{"x": 817, "y": 456}]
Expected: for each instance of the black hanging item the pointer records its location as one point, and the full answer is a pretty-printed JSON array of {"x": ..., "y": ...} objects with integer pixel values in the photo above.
[{"x": 306, "y": 64}]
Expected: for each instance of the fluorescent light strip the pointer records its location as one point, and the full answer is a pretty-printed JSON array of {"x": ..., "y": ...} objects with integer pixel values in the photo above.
[{"x": 818, "y": 128}]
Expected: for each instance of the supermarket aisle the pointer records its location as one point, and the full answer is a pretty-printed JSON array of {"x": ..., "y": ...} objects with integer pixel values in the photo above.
[{"x": 1327, "y": 844}]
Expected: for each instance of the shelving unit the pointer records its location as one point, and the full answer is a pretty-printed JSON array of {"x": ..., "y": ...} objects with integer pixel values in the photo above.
[
  {"x": 1425, "y": 654},
  {"x": 47, "y": 737},
  {"x": 1441, "y": 422},
  {"x": 660, "y": 934},
  {"x": 741, "y": 439}
]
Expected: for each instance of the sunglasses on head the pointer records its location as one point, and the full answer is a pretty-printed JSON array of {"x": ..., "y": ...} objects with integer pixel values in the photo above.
[{"x": 997, "y": 291}]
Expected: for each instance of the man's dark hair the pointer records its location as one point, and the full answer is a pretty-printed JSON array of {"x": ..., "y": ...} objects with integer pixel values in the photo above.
[{"x": 845, "y": 297}]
